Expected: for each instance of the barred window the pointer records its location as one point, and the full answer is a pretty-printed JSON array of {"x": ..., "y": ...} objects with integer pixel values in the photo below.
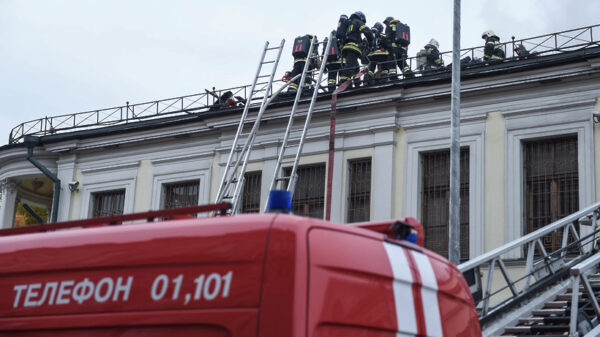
[
  {"x": 108, "y": 203},
  {"x": 180, "y": 194},
  {"x": 435, "y": 200},
  {"x": 251, "y": 194},
  {"x": 359, "y": 190},
  {"x": 551, "y": 184},
  {"x": 309, "y": 196}
]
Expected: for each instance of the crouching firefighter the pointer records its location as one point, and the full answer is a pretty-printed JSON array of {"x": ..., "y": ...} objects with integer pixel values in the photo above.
[
  {"x": 379, "y": 55},
  {"x": 334, "y": 61},
  {"x": 352, "y": 46},
  {"x": 493, "y": 51},
  {"x": 226, "y": 100},
  {"x": 432, "y": 56},
  {"x": 300, "y": 54}
]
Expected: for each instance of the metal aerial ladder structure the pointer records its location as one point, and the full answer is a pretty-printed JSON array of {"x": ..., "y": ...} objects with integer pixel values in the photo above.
[
  {"x": 232, "y": 181},
  {"x": 525, "y": 288}
]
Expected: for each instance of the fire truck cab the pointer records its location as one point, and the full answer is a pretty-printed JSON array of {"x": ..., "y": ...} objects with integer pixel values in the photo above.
[{"x": 244, "y": 275}]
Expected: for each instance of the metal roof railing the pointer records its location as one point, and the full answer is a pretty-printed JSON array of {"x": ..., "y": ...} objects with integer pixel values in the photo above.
[{"x": 569, "y": 40}]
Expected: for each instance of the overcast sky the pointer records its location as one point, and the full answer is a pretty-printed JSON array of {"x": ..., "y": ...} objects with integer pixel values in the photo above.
[{"x": 66, "y": 56}]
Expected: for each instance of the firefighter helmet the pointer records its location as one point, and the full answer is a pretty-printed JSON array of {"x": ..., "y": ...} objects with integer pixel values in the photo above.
[
  {"x": 388, "y": 20},
  {"x": 434, "y": 43},
  {"x": 379, "y": 27},
  {"x": 360, "y": 15},
  {"x": 487, "y": 33}
]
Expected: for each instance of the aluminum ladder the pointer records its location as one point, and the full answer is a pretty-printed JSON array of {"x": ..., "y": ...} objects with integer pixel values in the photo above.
[
  {"x": 293, "y": 177},
  {"x": 233, "y": 175}
]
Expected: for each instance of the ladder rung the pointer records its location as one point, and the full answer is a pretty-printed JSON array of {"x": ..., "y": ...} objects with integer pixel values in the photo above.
[
  {"x": 267, "y": 62},
  {"x": 273, "y": 48},
  {"x": 531, "y": 320},
  {"x": 517, "y": 329},
  {"x": 547, "y": 312},
  {"x": 282, "y": 178},
  {"x": 263, "y": 76},
  {"x": 556, "y": 304}
]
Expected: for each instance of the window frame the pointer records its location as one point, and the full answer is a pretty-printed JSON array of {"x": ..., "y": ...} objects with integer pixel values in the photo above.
[
  {"x": 259, "y": 193},
  {"x": 94, "y": 197},
  {"x": 464, "y": 150},
  {"x": 308, "y": 166},
  {"x": 166, "y": 185},
  {"x": 472, "y": 137},
  {"x": 348, "y": 189}
]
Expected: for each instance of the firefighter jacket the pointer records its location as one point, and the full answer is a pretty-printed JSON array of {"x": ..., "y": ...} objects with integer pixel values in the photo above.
[
  {"x": 432, "y": 55},
  {"x": 353, "y": 38},
  {"x": 493, "y": 49}
]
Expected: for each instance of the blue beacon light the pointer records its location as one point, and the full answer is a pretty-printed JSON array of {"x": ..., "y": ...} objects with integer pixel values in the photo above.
[{"x": 280, "y": 201}]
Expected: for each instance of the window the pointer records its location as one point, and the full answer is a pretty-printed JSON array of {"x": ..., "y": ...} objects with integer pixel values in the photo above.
[
  {"x": 181, "y": 194},
  {"x": 359, "y": 190},
  {"x": 108, "y": 203},
  {"x": 551, "y": 184},
  {"x": 251, "y": 194},
  {"x": 309, "y": 196},
  {"x": 435, "y": 200}
]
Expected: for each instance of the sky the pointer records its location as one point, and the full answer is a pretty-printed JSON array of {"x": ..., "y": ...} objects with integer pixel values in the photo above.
[{"x": 66, "y": 56}]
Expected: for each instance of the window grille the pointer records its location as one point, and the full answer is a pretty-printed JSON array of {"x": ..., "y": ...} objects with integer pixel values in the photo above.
[
  {"x": 251, "y": 194},
  {"x": 435, "y": 200},
  {"x": 551, "y": 184},
  {"x": 359, "y": 194},
  {"x": 181, "y": 194},
  {"x": 309, "y": 196},
  {"x": 108, "y": 203}
]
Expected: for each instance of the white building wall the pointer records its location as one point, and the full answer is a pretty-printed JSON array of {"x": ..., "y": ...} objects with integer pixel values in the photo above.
[{"x": 391, "y": 127}]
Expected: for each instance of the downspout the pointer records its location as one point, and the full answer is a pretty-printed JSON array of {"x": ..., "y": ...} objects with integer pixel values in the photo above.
[{"x": 31, "y": 142}]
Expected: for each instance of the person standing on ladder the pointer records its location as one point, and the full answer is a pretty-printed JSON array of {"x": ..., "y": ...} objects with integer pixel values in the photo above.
[
  {"x": 351, "y": 50},
  {"x": 300, "y": 54}
]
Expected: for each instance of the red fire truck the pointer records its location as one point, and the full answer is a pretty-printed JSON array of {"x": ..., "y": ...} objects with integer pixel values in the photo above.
[{"x": 246, "y": 275}]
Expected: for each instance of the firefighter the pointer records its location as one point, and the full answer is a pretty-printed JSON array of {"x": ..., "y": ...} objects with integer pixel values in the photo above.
[
  {"x": 226, "y": 100},
  {"x": 352, "y": 46},
  {"x": 432, "y": 56},
  {"x": 379, "y": 55},
  {"x": 300, "y": 60},
  {"x": 334, "y": 61},
  {"x": 493, "y": 51},
  {"x": 400, "y": 52},
  {"x": 523, "y": 53}
]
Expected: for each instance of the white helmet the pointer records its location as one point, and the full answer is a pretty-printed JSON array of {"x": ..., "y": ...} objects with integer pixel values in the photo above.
[
  {"x": 487, "y": 33},
  {"x": 434, "y": 42}
]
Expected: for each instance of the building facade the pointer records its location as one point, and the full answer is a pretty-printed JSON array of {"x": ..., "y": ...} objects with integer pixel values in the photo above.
[{"x": 528, "y": 155}]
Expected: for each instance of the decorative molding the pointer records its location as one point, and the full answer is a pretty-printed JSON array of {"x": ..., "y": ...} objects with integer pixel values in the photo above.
[
  {"x": 7, "y": 185},
  {"x": 426, "y": 141},
  {"x": 113, "y": 167},
  {"x": 553, "y": 106},
  {"x": 168, "y": 160},
  {"x": 89, "y": 189},
  {"x": 202, "y": 176},
  {"x": 514, "y": 167}
]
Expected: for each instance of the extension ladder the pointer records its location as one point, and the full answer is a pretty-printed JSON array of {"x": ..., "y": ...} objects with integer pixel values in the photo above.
[
  {"x": 230, "y": 186},
  {"x": 293, "y": 177}
]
